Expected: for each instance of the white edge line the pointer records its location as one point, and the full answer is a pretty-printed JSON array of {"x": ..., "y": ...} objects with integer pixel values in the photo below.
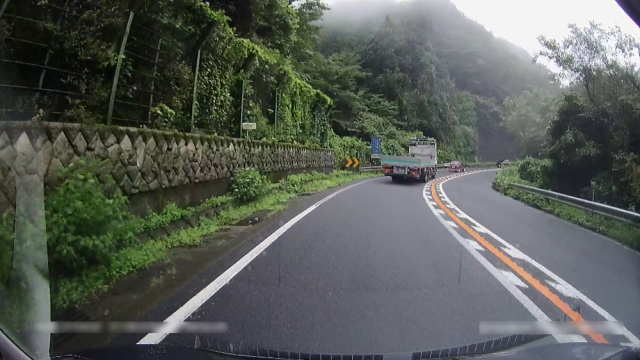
[
  {"x": 205, "y": 294},
  {"x": 533, "y": 309},
  {"x": 627, "y": 333}
]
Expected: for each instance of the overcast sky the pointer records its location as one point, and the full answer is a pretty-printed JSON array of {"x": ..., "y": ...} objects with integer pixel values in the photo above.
[{"x": 521, "y": 21}]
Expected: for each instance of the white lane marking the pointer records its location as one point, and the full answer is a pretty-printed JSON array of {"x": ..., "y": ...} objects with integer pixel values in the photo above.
[
  {"x": 514, "y": 253},
  {"x": 474, "y": 244},
  {"x": 480, "y": 229},
  {"x": 451, "y": 223},
  {"x": 533, "y": 309},
  {"x": 562, "y": 289},
  {"x": 205, "y": 294},
  {"x": 440, "y": 211},
  {"x": 602, "y": 312},
  {"x": 514, "y": 279}
]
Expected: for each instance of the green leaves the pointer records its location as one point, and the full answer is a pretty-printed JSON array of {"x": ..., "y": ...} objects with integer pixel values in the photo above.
[
  {"x": 528, "y": 116},
  {"x": 248, "y": 185},
  {"x": 84, "y": 223}
]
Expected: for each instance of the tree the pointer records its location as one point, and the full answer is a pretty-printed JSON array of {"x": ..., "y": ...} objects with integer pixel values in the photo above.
[
  {"x": 527, "y": 116},
  {"x": 271, "y": 22},
  {"x": 596, "y": 136},
  {"x": 308, "y": 12},
  {"x": 605, "y": 62}
]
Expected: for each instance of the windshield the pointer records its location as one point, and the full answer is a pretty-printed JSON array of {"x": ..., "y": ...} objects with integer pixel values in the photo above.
[{"x": 318, "y": 176}]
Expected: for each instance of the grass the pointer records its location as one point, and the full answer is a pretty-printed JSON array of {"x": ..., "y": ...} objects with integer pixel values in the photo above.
[
  {"x": 73, "y": 291},
  {"x": 622, "y": 232}
]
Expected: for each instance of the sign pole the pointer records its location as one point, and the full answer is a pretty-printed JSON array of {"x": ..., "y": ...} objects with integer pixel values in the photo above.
[{"x": 242, "y": 108}]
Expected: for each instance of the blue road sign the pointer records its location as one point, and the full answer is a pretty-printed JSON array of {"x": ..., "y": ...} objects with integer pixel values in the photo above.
[{"x": 376, "y": 145}]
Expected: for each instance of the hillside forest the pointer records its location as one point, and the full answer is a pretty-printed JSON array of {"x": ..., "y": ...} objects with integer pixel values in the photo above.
[{"x": 335, "y": 76}]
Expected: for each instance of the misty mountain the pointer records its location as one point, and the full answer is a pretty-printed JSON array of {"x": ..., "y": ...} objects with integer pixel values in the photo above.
[
  {"x": 476, "y": 60},
  {"x": 443, "y": 74}
]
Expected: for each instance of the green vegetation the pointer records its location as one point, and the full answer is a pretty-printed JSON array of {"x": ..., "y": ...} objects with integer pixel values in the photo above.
[
  {"x": 308, "y": 74},
  {"x": 527, "y": 117},
  {"x": 71, "y": 288},
  {"x": 590, "y": 131},
  {"x": 253, "y": 43},
  {"x": 515, "y": 174},
  {"x": 397, "y": 69},
  {"x": 84, "y": 225},
  {"x": 248, "y": 185}
]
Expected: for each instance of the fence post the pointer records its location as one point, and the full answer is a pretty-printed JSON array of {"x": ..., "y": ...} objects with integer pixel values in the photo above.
[
  {"x": 276, "y": 113},
  {"x": 153, "y": 79},
  {"x": 4, "y": 7},
  {"x": 116, "y": 76},
  {"x": 47, "y": 57},
  {"x": 242, "y": 108},
  {"x": 195, "y": 90}
]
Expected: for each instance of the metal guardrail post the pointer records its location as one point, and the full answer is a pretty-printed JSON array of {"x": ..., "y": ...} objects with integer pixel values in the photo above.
[
  {"x": 195, "y": 90},
  {"x": 116, "y": 76},
  {"x": 602, "y": 209}
]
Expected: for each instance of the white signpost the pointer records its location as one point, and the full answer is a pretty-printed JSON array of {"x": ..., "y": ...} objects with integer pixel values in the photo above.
[{"x": 248, "y": 126}]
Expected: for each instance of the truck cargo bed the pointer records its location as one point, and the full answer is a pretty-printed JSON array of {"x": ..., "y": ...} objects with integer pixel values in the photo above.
[{"x": 406, "y": 161}]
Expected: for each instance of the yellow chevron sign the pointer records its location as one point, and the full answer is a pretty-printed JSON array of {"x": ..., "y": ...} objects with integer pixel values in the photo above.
[
  {"x": 352, "y": 162},
  {"x": 349, "y": 162}
]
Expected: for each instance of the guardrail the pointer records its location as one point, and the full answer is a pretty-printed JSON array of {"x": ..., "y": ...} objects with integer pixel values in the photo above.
[
  {"x": 602, "y": 209},
  {"x": 439, "y": 166},
  {"x": 370, "y": 168}
]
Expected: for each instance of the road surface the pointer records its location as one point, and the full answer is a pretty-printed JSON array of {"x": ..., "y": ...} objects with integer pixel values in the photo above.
[{"x": 382, "y": 267}]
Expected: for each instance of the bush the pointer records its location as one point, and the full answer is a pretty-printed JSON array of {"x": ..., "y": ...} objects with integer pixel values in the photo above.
[
  {"x": 295, "y": 183},
  {"x": 85, "y": 226},
  {"x": 536, "y": 171},
  {"x": 248, "y": 185},
  {"x": 345, "y": 146}
]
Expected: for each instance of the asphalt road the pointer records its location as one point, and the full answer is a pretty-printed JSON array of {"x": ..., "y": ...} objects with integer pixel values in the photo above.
[{"x": 377, "y": 269}]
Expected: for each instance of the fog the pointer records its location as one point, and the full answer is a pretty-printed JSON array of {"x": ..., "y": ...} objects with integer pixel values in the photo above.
[{"x": 432, "y": 43}]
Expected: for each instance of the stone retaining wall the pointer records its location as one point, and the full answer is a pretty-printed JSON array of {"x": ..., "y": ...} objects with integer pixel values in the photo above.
[{"x": 143, "y": 160}]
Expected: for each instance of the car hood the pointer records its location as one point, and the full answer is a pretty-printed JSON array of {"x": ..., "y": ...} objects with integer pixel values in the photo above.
[{"x": 514, "y": 347}]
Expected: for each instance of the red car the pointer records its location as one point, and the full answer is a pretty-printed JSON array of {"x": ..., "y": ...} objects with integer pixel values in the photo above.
[{"x": 456, "y": 166}]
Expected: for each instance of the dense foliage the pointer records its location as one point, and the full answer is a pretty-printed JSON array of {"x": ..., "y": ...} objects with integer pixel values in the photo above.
[
  {"x": 592, "y": 130},
  {"x": 397, "y": 70},
  {"x": 85, "y": 225},
  {"x": 234, "y": 51},
  {"x": 527, "y": 117}
]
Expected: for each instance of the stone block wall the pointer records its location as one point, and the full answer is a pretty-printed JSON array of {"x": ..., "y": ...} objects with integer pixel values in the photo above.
[{"x": 143, "y": 160}]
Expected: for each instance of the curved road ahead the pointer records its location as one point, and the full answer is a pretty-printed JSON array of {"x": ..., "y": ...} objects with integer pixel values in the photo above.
[{"x": 385, "y": 267}]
